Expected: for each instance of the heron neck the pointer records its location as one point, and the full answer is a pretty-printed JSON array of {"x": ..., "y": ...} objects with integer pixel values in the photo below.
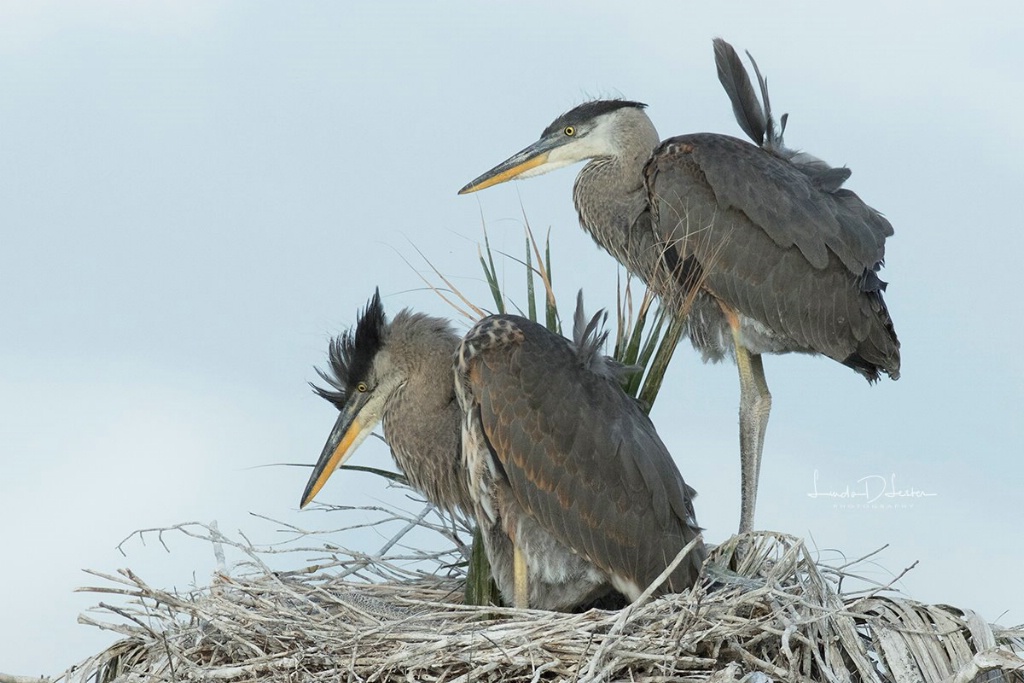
[
  {"x": 423, "y": 425},
  {"x": 611, "y": 199}
]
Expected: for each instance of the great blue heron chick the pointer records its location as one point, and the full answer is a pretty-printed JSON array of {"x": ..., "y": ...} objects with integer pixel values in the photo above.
[
  {"x": 560, "y": 457},
  {"x": 624, "y": 487},
  {"x": 759, "y": 246}
]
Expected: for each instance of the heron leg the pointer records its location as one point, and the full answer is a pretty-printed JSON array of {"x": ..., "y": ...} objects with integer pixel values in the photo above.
[
  {"x": 755, "y": 405},
  {"x": 521, "y": 599}
]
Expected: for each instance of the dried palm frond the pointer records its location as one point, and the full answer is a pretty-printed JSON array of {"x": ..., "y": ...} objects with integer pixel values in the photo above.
[{"x": 780, "y": 616}]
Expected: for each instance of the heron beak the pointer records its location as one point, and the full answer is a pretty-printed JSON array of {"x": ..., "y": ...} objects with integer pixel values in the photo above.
[
  {"x": 349, "y": 431},
  {"x": 529, "y": 162}
]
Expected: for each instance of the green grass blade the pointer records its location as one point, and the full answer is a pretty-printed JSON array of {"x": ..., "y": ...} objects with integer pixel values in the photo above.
[
  {"x": 491, "y": 273},
  {"x": 531, "y": 301},
  {"x": 620, "y": 321},
  {"x": 644, "y": 358},
  {"x": 550, "y": 306},
  {"x": 480, "y": 587},
  {"x": 659, "y": 365},
  {"x": 392, "y": 476},
  {"x": 635, "y": 381},
  {"x": 636, "y": 334}
]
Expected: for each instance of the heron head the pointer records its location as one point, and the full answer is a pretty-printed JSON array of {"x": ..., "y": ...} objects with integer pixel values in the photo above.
[
  {"x": 371, "y": 366},
  {"x": 599, "y": 128},
  {"x": 359, "y": 385}
]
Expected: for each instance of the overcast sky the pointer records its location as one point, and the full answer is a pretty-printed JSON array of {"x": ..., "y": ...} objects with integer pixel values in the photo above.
[{"x": 195, "y": 196}]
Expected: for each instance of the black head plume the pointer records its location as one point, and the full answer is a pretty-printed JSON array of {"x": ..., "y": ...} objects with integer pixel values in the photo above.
[
  {"x": 588, "y": 111},
  {"x": 351, "y": 354}
]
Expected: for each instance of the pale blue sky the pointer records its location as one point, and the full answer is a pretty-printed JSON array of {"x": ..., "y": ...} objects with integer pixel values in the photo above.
[{"x": 195, "y": 196}]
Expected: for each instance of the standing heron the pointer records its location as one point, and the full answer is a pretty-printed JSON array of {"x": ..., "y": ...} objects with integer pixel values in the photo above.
[
  {"x": 762, "y": 244},
  {"x": 573, "y": 490}
]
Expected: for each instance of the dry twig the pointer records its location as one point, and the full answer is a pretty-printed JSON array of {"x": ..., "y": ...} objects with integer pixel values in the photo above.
[{"x": 397, "y": 615}]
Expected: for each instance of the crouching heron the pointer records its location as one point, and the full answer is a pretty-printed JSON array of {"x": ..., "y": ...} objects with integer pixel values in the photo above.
[
  {"x": 574, "y": 491},
  {"x": 763, "y": 245}
]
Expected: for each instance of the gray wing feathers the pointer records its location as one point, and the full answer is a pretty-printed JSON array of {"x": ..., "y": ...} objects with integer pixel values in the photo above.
[
  {"x": 583, "y": 460},
  {"x": 810, "y": 211},
  {"x": 775, "y": 246},
  {"x": 789, "y": 206}
]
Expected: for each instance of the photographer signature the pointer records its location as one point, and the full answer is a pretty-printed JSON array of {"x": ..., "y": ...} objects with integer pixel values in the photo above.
[{"x": 870, "y": 489}]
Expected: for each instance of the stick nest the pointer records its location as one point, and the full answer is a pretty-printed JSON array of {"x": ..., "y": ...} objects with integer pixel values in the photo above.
[{"x": 398, "y": 615}]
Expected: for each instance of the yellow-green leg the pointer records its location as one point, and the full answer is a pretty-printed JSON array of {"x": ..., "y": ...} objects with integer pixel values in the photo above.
[
  {"x": 755, "y": 405},
  {"x": 522, "y": 587}
]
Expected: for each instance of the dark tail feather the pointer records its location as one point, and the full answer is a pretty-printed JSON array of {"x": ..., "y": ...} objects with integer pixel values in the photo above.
[
  {"x": 745, "y": 105},
  {"x": 588, "y": 339},
  {"x": 772, "y": 135},
  {"x": 588, "y": 336},
  {"x": 757, "y": 121},
  {"x": 880, "y": 351}
]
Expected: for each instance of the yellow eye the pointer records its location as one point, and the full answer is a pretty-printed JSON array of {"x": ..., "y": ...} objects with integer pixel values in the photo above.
[
  {"x": 361, "y": 387},
  {"x": 570, "y": 131}
]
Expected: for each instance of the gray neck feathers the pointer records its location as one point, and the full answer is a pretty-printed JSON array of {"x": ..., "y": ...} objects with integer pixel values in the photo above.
[
  {"x": 423, "y": 421},
  {"x": 610, "y": 195}
]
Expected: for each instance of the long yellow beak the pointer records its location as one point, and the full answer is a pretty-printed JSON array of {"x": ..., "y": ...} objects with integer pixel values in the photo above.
[
  {"x": 349, "y": 431},
  {"x": 522, "y": 162}
]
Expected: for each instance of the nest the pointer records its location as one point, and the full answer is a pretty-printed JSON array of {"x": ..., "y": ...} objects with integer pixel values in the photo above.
[{"x": 391, "y": 616}]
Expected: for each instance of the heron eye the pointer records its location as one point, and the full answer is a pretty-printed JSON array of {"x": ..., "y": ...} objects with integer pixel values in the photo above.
[
  {"x": 361, "y": 387},
  {"x": 570, "y": 131}
]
